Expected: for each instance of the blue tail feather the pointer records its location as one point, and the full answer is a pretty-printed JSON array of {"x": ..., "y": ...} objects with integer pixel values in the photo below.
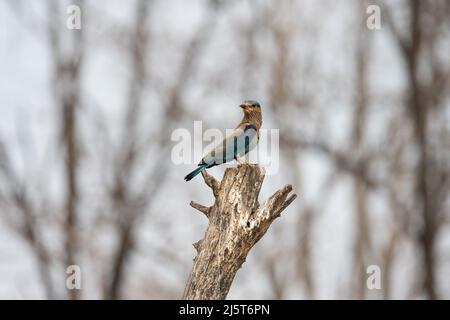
[{"x": 195, "y": 172}]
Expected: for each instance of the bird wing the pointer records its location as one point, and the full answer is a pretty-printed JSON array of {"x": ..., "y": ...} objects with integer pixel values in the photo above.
[{"x": 238, "y": 143}]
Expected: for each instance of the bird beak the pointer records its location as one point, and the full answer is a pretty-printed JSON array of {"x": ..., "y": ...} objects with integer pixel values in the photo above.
[{"x": 242, "y": 106}]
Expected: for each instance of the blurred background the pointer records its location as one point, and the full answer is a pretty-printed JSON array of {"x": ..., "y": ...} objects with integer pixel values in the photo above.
[{"x": 86, "y": 117}]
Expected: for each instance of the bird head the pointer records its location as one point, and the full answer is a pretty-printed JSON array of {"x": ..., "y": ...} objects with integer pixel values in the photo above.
[{"x": 250, "y": 106}]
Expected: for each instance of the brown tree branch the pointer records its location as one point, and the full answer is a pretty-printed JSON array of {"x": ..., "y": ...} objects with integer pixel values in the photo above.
[
  {"x": 67, "y": 89},
  {"x": 211, "y": 182},
  {"x": 236, "y": 223},
  {"x": 200, "y": 208}
]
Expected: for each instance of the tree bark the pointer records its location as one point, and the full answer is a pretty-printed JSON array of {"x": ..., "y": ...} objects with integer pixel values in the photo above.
[{"x": 236, "y": 223}]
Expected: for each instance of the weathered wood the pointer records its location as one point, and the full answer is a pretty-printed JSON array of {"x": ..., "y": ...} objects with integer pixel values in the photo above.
[
  {"x": 236, "y": 223},
  {"x": 200, "y": 208}
]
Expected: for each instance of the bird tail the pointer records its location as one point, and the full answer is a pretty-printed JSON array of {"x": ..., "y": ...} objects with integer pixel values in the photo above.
[{"x": 195, "y": 172}]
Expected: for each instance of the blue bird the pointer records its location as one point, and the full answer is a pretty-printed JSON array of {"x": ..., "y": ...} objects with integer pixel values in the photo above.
[{"x": 242, "y": 140}]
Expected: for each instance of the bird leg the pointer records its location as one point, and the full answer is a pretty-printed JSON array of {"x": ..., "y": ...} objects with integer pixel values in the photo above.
[{"x": 240, "y": 162}]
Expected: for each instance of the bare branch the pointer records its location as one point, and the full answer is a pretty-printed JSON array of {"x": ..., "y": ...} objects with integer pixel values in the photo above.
[
  {"x": 200, "y": 208},
  {"x": 197, "y": 245},
  {"x": 236, "y": 223}
]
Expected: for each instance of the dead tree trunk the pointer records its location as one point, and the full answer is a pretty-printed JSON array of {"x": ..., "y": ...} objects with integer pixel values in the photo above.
[{"x": 236, "y": 223}]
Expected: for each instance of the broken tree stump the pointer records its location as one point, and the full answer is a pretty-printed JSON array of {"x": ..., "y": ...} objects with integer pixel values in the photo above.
[{"x": 236, "y": 222}]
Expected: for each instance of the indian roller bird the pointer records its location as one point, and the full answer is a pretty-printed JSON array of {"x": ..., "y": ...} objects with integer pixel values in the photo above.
[{"x": 242, "y": 140}]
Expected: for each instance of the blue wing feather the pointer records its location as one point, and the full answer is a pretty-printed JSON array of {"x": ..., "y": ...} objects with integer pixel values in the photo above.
[{"x": 237, "y": 144}]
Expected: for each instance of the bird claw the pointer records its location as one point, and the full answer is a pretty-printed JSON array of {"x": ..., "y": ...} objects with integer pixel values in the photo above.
[{"x": 240, "y": 162}]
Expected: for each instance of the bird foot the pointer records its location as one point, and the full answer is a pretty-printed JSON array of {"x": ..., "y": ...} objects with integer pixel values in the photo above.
[{"x": 239, "y": 161}]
